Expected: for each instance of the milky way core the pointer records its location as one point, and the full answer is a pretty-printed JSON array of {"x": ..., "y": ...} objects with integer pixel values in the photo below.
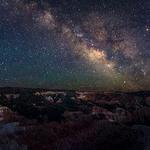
[{"x": 77, "y": 44}]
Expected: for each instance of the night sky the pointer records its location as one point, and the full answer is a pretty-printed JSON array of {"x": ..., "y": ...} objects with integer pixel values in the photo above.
[{"x": 75, "y": 44}]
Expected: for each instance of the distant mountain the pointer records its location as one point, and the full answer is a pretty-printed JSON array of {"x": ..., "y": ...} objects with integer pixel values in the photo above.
[{"x": 15, "y": 90}]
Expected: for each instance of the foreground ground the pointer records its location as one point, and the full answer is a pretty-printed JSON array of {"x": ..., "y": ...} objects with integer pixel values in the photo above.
[{"x": 73, "y": 120}]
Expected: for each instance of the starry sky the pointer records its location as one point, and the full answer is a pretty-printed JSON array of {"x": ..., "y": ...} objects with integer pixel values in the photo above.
[{"x": 75, "y": 44}]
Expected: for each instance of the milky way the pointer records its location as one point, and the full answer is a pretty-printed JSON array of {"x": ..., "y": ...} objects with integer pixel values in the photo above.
[{"x": 96, "y": 45}]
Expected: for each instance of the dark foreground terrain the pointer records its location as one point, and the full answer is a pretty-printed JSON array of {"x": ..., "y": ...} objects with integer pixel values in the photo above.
[{"x": 39, "y": 119}]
